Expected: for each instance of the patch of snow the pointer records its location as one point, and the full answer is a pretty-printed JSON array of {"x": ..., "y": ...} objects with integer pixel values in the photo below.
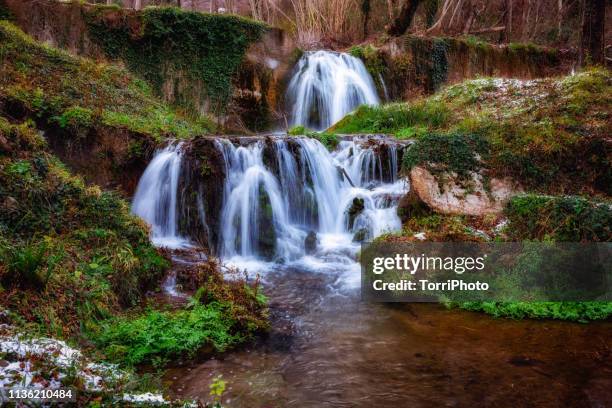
[
  {"x": 145, "y": 398},
  {"x": 420, "y": 236},
  {"x": 50, "y": 355},
  {"x": 499, "y": 227}
]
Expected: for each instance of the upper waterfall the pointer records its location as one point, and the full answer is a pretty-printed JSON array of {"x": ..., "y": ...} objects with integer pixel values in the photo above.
[{"x": 326, "y": 86}]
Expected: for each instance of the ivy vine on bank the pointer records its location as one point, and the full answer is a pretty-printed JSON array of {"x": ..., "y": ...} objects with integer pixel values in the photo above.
[{"x": 166, "y": 42}]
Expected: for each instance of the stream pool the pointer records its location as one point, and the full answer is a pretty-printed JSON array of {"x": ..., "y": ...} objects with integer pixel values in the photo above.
[{"x": 327, "y": 348}]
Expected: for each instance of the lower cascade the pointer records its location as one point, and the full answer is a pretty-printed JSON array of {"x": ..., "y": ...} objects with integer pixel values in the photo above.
[
  {"x": 274, "y": 198},
  {"x": 155, "y": 200},
  {"x": 326, "y": 86}
]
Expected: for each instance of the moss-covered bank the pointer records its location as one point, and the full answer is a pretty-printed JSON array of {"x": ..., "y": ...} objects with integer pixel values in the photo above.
[
  {"x": 190, "y": 59},
  {"x": 75, "y": 264},
  {"x": 99, "y": 118},
  {"x": 551, "y": 135},
  {"x": 528, "y": 217},
  {"x": 190, "y": 55},
  {"x": 72, "y": 255},
  {"x": 412, "y": 66}
]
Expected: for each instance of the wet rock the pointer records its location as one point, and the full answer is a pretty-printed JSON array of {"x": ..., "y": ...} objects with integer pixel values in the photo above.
[
  {"x": 266, "y": 241},
  {"x": 311, "y": 243},
  {"x": 448, "y": 196},
  {"x": 361, "y": 235},
  {"x": 354, "y": 210}
]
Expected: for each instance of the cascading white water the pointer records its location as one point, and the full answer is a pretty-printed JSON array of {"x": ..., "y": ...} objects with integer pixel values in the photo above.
[
  {"x": 276, "y": 193},
  {"x": 156, "y": 199},
  {"x": 326, "y": 86},
  {"x": 312, "y": 192},
  {"x": 253, "y": 201}
]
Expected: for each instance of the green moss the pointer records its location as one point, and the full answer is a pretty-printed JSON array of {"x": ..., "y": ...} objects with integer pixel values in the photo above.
[
  {"x": 78, "y": 94},
  {"x": 533, "y": 53},
  {"x": 328, "y": 139},
  {"x": 394, "y": 118},
  {"x": 73, "y": 253},
  {"x": 538, "y": 132},
  {"x": 371, "y": 57},
  {"x": 297, "y": 131},
  {"x": 443, "y": 153},
  {"x": 476, "y": 43},
  {"x": 565, "y": 219},
  {"x": 572, "y": 311},
  {"x": 203, "y": 47},
  {"x": 75, "y": 118}
]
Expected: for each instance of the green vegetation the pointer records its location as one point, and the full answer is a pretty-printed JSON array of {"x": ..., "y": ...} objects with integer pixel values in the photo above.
[
  {"x": 158, "y": 336},
  {"x": 374, "y": 61},
  {"x": 531, "y": 217},
  {"x": 538, "y": 132},
  {"x": 532, "y": 51},
  {"x": 78, "y": 95},
  {"x": 397, "y": 118},
  {"x": 328, "y": 139},
  {"x": 437, "y": 228},
  {"x": 73, "y": 259},
  {"x": 206, "y": 49},
  {"x": 443, "y": 153},
  {"x": 573, "y": 311},
  {"x": 74, "y": 263},
  {"x": 564, "y": 219},
  {"x": 72, "y": 255},
  {"x": 219, "y": 315}
]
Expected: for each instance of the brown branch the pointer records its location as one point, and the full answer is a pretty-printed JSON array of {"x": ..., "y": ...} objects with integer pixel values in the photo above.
[{"x": 495, "y": 29}]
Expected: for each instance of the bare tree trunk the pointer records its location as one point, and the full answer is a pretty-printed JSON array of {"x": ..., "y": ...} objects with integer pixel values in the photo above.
[
  {"x": 365, "y": 10},
  {"x": 438, "y": 25},
  {"x": 137, "y": 4},
  {"x": 593, "y": 29},
  {"x": 404, "y": 20},
  {"x": 470, "y": 20},
  {"x": 457, "y": 10},
  {"x": 509, "y": 21},
  {"x": 559, "y": 18},
  {"x": 390, "y": 9}
]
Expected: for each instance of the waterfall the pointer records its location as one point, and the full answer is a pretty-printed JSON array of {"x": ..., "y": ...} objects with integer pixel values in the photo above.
[
  {"x": 254, "y": 220},
  {"x": 276, "y": 192},
  {"x": 268, "y": 214},
  {"x": 156, "y": 199},
  {"x": 326, "y": 86}
]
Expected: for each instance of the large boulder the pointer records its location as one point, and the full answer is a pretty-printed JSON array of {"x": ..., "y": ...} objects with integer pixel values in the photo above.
[{"x": 448, "y": 195}]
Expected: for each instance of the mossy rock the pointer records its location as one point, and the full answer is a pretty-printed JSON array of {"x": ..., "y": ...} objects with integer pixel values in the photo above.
[{"x": 164, "y": 44}]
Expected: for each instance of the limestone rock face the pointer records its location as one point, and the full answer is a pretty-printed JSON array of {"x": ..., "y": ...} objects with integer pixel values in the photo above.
[{"x": 467, "y": 198}]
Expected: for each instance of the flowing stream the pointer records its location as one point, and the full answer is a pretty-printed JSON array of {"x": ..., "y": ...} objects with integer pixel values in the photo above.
[{"x": 295, "y": 212}]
